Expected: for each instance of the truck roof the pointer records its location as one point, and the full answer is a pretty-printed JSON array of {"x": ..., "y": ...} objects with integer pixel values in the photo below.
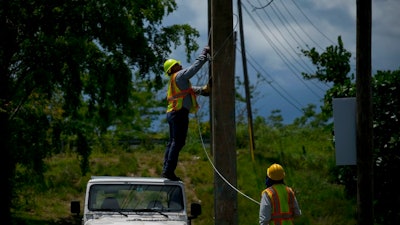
[{"x": 133, "y": 179}]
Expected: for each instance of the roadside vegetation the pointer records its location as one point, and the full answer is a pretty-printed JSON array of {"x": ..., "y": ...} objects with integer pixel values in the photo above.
[{"x": 306, "y": 154}]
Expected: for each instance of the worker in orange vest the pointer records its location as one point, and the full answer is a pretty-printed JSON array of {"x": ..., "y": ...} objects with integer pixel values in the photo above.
[
  {"x": 181, "y": 97},
  {"x": 278, "y": 202}
]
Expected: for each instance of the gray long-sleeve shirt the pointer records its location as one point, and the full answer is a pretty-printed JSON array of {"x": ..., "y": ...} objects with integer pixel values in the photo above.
[{"x": 183, "y": 79}]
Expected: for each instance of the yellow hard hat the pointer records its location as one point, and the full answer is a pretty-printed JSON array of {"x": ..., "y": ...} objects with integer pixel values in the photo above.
[
  {"x": 275, "y": 172},
  {"x": 168, "y": 64}
]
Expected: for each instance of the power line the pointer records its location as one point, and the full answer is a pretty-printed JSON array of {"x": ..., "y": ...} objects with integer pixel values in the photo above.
[
  {"x": 292, "y": 101},
  {"x": 282, "y": 17},
  {"x": 277, "y": 51},
  {"x": 262, "y": 7},
  {"x": 312, "y": 24}
]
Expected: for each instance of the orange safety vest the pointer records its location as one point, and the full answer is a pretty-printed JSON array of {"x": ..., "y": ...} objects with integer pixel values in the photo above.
[
  {"x": 175, "y": 96},
  {"x": 282, "y": 201}
]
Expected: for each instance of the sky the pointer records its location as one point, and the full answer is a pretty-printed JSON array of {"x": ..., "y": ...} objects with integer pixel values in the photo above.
[{"x": 276, "y": 31}]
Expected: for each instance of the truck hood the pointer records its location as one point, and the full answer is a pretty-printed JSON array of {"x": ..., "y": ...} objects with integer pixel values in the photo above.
[{"x": 135, "y": 220}]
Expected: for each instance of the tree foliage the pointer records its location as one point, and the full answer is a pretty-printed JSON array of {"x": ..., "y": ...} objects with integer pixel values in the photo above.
[
  {"x": 333, "y": 66},
  {"x": 386, "y": 108},
  {"x": 68, "y": 71}
]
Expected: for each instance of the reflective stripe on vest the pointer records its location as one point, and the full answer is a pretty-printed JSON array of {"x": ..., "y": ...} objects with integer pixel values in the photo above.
[
  {"x": 282, "y": 201},
  {"x": 175, "y": 96}
]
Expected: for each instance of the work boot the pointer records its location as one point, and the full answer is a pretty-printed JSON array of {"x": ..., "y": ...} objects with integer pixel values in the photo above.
[{"x": 171, "y": 176}]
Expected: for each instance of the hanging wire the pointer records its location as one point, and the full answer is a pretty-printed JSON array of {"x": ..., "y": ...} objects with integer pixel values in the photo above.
[
  {"x": 203, "y": 144},
  {"x": 216, "y": 170},
  {"x": 262, "y": 7}
]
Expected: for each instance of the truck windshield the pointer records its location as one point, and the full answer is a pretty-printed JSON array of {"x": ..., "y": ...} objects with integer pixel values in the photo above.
[{"x": 133, "y": 197}]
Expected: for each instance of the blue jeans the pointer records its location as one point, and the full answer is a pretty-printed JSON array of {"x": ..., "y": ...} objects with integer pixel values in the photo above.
[{"x": 178, "y": 126}]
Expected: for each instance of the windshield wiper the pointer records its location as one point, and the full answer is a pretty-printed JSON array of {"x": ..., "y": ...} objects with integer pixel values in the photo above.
[
  {"x": 114, "y": 210},
  {"x": 151, "y": 210}
]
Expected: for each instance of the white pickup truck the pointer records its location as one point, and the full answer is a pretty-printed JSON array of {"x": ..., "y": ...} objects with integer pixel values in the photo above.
[{"x": 135, "y": 201}]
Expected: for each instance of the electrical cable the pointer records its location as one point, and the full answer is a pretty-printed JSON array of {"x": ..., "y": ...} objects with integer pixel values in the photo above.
[
  {"x": 308, "y": 19},
  {"x": 281, "y": 17},
  {"x": 284, "y": 21},
  {"x": 208, "y": 157},
  {"x": 262, "y": 7},
  {"x": 303, "y": 65},
  {"x": 225, "y": 41},
  {"x": 283, "y": 57},
  {"x": 271, "y": 81},
  {"x": 216, "y": 170}
]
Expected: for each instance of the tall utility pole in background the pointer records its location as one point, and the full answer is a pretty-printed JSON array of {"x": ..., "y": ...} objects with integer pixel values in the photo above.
[
  {"x": 364, "y": 134},
  {"x": 223, "y": 112},
  {"x": 246, "y": 81}
]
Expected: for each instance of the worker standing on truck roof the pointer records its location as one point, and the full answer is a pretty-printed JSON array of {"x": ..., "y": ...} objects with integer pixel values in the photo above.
[
  {"x": 181, "y": 97},
  {"x": 278, "y": 202}
]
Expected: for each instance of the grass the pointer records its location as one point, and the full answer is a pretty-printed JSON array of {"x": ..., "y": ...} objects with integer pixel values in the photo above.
[{"x": 306, "y": 161}]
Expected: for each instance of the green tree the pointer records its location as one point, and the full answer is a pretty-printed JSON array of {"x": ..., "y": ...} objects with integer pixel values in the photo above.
[
  {"x": 275, "y": 119},
  {"x": 333, "y": 67},
  {"x": 386, "y": 108},
  {"x": 66, "y": 73},
  {"x": 310, "y": 118}
]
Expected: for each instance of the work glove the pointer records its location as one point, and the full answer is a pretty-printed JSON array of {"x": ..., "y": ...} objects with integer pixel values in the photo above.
[
  {"x": 206, "y": 50},
  {"x": 205, "y": 90}
]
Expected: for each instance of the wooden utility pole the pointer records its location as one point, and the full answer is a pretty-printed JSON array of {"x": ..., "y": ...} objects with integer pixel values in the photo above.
[
  {"x": 223, "y": 112},
  {"x": 364, "y": 137},
  {"x": 246, "y": 82},
  {"x": 210, "y": 70}
]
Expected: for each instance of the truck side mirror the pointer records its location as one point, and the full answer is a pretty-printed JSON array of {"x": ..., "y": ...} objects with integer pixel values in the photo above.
[
  {"x": 195, "y": 210},
  {"x": 75, "y": 207}
]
